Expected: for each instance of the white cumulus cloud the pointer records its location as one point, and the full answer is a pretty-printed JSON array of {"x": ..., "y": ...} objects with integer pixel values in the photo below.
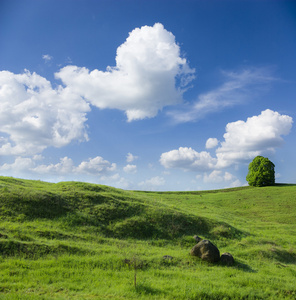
[
  {"x": 132, "y": 169},
  {"x": 34, "y": 116},
  {"x": 258, "y": 135},
  {"x": 65, "y": 166},
  {"x": 188, "y": 159},
  {"x": 96, "y": 166},
  {"x": 148, "y": 66},
  {"x": 243, "y": 141},
  {"x": 218, "y": 176},
  {"x": 211, "y": 143},
  {"x": 130, "y": 157},
  {"x": 235, "y": 183},
  {"x": 20, "y": 164}
]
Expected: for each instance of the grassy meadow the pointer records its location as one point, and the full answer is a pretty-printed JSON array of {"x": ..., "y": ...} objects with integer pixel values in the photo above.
[{"x": 74, "y": 240}]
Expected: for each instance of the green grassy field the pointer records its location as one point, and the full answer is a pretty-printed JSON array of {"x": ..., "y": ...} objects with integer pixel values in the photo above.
[{"x": 74, "y": 240}]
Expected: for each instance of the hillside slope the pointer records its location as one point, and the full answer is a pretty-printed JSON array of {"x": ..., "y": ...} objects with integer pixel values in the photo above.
[
  {"x": 114, "y": 212},
  {"x": 71, "y": 240}
]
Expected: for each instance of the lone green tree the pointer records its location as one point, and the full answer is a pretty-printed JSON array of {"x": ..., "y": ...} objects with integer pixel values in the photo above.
[{"x": 261, "y": 172}]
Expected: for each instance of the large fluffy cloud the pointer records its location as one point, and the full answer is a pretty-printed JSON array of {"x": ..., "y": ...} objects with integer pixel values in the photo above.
[
  {"x": 149, "y": 74},
  {"x": 34, "y": 116},
  {"x": 148, "y": 66},
  {"x": 243, "y": 141},
  {"x": 257, "y": 136},
  {"x": 187, "y": 159}
]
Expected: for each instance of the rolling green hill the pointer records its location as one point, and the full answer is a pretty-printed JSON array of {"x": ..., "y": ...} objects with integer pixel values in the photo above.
[{"x": 74, "y": 240}]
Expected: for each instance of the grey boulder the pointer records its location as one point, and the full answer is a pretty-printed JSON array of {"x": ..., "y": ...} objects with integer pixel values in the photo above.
[
  {"x": 227, "y": 259},
  {"x": 206, "y": 251}
]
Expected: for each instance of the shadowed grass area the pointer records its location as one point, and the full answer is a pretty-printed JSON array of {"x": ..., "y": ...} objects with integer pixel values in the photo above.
[{"x": 75, "y": 240}]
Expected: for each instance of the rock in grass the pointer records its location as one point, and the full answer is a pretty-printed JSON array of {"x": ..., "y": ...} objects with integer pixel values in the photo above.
[
  {"x": 227, "y": 259},
  {"x": 206, "y": 251},
  {"x": 126, "y": 261},
  {"x": 167, "y": 257}
]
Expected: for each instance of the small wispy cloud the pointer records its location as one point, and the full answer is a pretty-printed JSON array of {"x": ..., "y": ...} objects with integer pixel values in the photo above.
[
  {"x": 69, "y": 60},
  {"x": 238, "y": 87},
  {"x": 130, "y": 157},
  {"x": 47, "y": 57},
  {"x": 152, "y": 184},
  {"x": 131, "y": 169}
]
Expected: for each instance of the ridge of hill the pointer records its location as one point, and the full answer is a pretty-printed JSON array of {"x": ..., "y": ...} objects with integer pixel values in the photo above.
[{"x": 111, "y": 212}]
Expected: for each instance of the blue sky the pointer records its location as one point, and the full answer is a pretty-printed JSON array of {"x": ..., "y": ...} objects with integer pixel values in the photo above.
[{"x": 149, "y": 95}]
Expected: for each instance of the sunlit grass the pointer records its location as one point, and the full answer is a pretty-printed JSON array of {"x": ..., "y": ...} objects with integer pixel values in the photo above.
[{"x": 83, "y": 241}]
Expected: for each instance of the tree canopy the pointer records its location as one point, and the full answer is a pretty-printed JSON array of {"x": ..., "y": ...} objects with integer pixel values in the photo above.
[{"x": 261, "y": 172}]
